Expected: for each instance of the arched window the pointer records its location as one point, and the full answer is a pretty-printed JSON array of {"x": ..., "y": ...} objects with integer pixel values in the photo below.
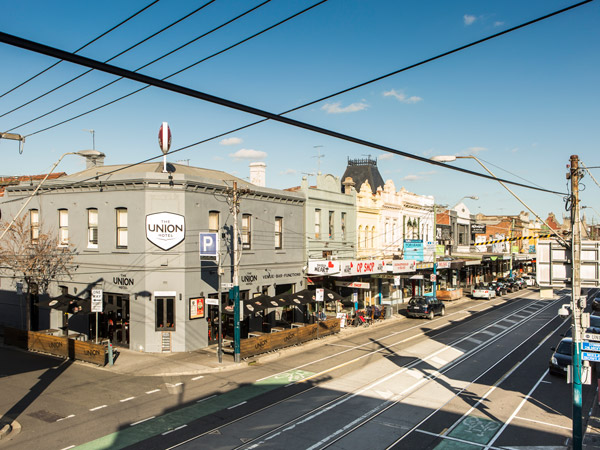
[{"x": 360, "y": 231}]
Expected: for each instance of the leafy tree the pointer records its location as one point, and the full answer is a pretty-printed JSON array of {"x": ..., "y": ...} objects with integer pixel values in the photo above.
[{"x": 35, "y": 257}]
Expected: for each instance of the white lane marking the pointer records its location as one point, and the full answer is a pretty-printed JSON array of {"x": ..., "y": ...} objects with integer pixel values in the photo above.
[
  {"x": 503, "y": 327},
  {"x": 509, "y": 320},
  {"x": 205, "y": 398},
  {"x": 68, "y": 417},
  {"x": 126, "y": 399},
  {"x": 462, "y": 441},
  {"x": 67, "y": 448},
  {"x": 98, "y": 407},
  {"x": 197, "y": 378},
  {"x": 472, "y": 339},
  {"x": 140, "y": 421},
  {"x": 381, "y": 339},
  {"x": 491, "y": 333},
  {"x": 152, "y": 392},
  {"x": 547, "y": 382},
  {"x": 543, "y": 423},
  {"x": 512, "y": 416},
  {"x": 239, "y": 404},
  {"x": 174, "y": 429}
]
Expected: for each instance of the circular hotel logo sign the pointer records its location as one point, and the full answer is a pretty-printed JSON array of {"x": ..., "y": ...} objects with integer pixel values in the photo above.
[{"x": 165, "y": 230}]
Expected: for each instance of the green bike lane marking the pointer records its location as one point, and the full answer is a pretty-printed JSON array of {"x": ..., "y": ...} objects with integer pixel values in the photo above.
[
  {"x": 153, "y": 427},
  {"x": 471, "y": 431}
]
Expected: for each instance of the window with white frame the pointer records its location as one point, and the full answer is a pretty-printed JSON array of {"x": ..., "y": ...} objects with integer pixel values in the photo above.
[
  {"x": 92, "y": 228},
  {"x": 317, "y": 224},
  {"x": 63, "y": 227},
  {"x": 213, "y": 221},
  {"x": 34, "y": 225},
  {"x": 278, "y": 232},
  {"x": 121, "y": 227},
  {"x": 343, "y": 225},
  {"x": 247, "y": 231},
  {"x": 331, "y": 225}
]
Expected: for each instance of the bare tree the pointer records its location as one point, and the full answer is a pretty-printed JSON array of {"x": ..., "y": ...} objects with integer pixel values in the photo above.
[{"x": 34, "y": 256}]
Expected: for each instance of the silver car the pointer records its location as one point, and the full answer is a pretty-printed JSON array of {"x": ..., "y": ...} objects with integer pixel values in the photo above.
[{"x": 482, "y": 291}]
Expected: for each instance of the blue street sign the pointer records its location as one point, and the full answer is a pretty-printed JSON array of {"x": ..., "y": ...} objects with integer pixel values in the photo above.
[
  {"x": 208, "y": 244},
  {"x": 589, "y": 356},
  {"x": 590, "y": 346}
]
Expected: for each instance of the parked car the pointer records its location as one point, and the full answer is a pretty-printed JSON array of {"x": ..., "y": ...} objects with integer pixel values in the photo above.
[
  {"x": 483, "y": 291},
  {"x": 595, "y": 303},
  {"x": 593, "y": 328},
  {"x": 509, "y": 284},
  {"x": 520, "y": 282},
  {"x": 530, "y": 279},
  {"x": 498, "y": 288},
  {"x": 562, "y": 357},
  {"x": 425, "y": 307}
]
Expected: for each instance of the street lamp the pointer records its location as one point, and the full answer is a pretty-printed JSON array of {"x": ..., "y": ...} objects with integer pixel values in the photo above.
[
  {"x": 84, "y": 153},
  {"x": 14, "y": 137}
]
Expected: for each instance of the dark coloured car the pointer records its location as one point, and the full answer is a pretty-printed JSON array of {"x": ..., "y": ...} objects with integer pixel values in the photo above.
[
  {"x": 561, "y": 357},
  {"x": 509, "y": 284},
  {"x": 499, "y": 288},
  {"x": 425, "y": 307},
  {"x": 520, "y": 282},
  {"x": 595, "y": 303}
]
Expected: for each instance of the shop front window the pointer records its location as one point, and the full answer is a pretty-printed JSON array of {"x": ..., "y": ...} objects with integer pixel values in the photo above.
[{"x": 165, "y": 314}]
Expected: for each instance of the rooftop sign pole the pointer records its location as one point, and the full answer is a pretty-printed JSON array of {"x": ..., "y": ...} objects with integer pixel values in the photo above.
[{"x": 164, "y": 142}]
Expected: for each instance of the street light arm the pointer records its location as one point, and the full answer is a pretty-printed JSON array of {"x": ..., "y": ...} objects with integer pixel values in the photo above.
[{"x": 517, "y": 197}]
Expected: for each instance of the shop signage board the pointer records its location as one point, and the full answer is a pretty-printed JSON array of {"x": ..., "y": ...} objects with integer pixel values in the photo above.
[
  {"x": 165, "y": 230},
  {"x": 478, "y": 228},
  {"x": 413, "y": 249},
  {"x": 361, "y": 267},
  {"x": 443, "y": 264},
  {"x": 212, "y": 301},
  {"x": 320, "y": 295},
  {"x": 401, "y": 265},
  {"x": 353, "y": 284},
  {"x": 197, "y": 307},
  {"x": 323, "y": 267}
]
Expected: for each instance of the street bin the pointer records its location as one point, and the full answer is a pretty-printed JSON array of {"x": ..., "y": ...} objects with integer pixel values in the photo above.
[{"x": 388, "y": 311}]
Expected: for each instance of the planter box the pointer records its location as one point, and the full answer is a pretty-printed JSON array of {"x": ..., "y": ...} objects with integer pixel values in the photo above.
[{"x": 449, "y": 295}]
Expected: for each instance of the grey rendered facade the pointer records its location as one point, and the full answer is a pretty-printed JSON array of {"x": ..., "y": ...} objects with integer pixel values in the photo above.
[
  {"x": 330, "y": 219},
  {"x": 159, "y": 284}
]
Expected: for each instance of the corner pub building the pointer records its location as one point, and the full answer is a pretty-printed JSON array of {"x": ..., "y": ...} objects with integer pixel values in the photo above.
[{"x": 135, "y": 235}]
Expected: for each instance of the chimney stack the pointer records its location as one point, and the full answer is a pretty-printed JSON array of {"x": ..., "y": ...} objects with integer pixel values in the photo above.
[{"x": 258, "y": 173}]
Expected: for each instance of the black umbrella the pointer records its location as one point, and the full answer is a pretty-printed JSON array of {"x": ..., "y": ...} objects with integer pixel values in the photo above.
[{"x": 74, "y": 305}]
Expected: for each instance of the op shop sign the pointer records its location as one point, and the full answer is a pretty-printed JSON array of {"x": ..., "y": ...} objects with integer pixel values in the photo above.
[{"x": 165, "y": 230}]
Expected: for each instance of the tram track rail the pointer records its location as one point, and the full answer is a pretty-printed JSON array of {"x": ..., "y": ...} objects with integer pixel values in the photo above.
[{"x": 385, "y": 347}]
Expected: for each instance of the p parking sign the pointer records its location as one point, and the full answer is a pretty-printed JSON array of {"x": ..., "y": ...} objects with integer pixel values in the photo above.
[{"x": 209, "y": 245}]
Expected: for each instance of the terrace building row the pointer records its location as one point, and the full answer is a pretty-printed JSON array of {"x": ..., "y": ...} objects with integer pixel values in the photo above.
[{"x": 135, "y": 234}]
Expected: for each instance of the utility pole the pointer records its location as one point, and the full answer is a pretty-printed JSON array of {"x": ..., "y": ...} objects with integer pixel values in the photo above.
[
  {"x": 576, "y": 302},
  {"x": 434, "y": 250},
  {"x": 236, "y": 276}
]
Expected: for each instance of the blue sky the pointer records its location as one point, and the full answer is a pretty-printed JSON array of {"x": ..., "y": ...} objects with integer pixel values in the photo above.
[{"x": 522, "y": 103}]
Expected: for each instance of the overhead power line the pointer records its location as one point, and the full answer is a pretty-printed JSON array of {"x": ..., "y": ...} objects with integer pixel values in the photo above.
[
  {"x": 281, "y": 22},
  {"x": 80, "y": 48},
  {"x": 109, "y": 59},
  {"x": 29, "y": 45},
  {"x": 239, "y": 16}
]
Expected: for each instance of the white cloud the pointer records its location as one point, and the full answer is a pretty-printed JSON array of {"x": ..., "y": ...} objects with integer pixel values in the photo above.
[
  {"x": 246, "y": 153},
  {"x": 498, "y": 23},
  {"x": 472, "y": 151},
  {"x": 385, "y": 156},
  {"x": 411, "y": 177},
  {"x": 231, "y": 141},
  {"x": 288, "y": 172},
  {"x": 469, "y": 19},
  {"x": 401, "y": 97},
  {"x": 336, "y": 108}
]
